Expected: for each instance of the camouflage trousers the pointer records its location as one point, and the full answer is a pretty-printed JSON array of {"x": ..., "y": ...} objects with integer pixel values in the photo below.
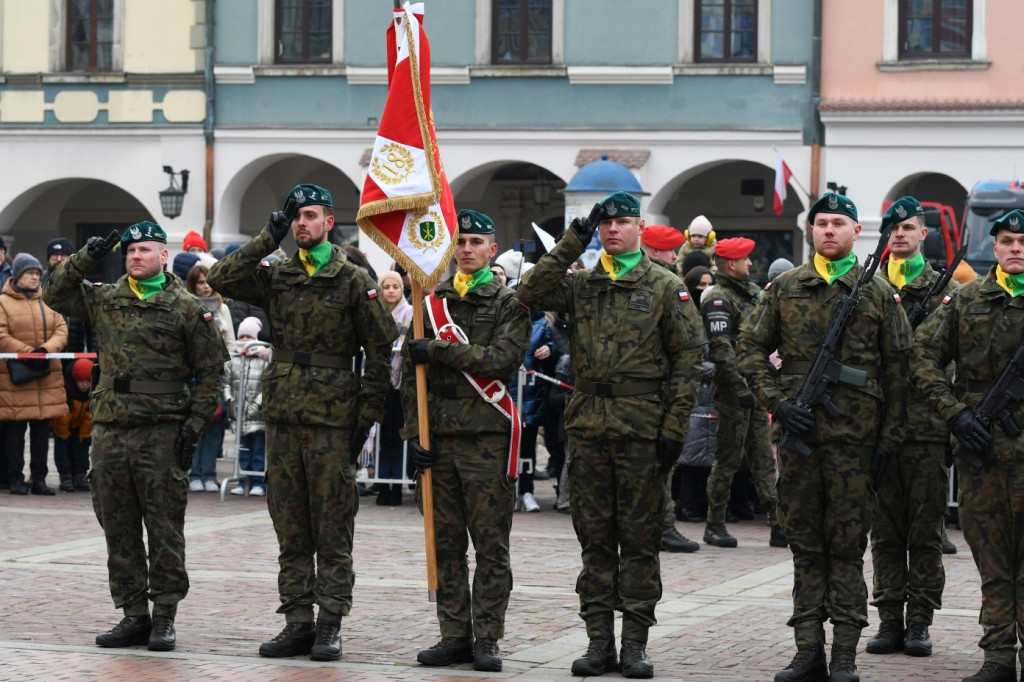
[
  {"x": 906, "y": 537},
  {"x": 615, "y": 499},
  {"x": 668, "y": 518},
  {"x": 135, "y": 480},
  {"x": 991, "y": 508},
  {"x": 473, "y": 499},
  {"x": 313, "y": 499},
  {"x": 825, "y": 504},
  {"x": 741, "y": 433}
]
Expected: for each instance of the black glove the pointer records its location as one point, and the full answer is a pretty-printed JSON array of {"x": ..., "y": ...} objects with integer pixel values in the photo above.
[
  {"x": 668, "y": 452},
  {"x": 421, "y": 459},
  {"x": 278, "y": 226},
  {"x": 971, "y": 433},
  {"x": 795, "y": 419},
  {"x": 38, "y": 365},
  {"x": 185, "y": 447},
  {"x": 585, "y": 227},
  {"x": 879, "y": 463},
  {"x": 98, "y": 247},
  {"x": 419, "y": 351},
  {"x": 747, "y": 401},
  {"x": 360, "y": 432}
]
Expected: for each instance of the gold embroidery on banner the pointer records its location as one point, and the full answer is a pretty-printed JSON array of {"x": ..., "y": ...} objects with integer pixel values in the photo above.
[{"x": 398, "y": 166}]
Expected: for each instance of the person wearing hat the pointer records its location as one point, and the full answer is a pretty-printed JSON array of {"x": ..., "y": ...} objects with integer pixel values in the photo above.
[
  {"x": 978, "y": 327},
  {"x": 742, "y": 422},
  {"x": 193, "y": 243},
  {"x": 161, "y": 359},
  {"x": 700, "y": 238},
  {"x": 636, "y": 354},
  {"x": 72, "y": 433},
  {"x": 906, "y": 537},
  {"x": 321, "y": 310},
  {"x": 825, "y": 499},
  {"x": 472, "y": 455},
  {"x": 57, "y": 251}
]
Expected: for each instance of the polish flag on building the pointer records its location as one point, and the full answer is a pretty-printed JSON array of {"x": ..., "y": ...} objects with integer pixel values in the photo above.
[
  {"x": 407, "y": 206},
  {"x": 782, "y": 176}
]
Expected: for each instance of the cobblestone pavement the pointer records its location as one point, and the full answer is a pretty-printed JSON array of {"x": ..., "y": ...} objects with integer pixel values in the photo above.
[{"x": 722, "y": 616}]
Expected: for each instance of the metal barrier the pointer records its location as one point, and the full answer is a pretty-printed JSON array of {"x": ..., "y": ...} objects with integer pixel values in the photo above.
[{"x": 241, "y": 397}]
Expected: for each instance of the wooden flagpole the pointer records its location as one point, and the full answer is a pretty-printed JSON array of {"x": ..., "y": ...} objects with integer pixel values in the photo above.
[{"x": 426, "y": 479}]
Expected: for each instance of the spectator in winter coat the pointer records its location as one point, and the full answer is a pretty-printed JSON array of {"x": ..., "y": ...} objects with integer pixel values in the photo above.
[{"x": 72, "y": 433}]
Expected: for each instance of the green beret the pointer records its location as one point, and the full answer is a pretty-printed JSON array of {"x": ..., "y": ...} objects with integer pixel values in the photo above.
[
  {"x": 143, "y": 232},
  {"x": 619, "y": 204},
  {"x": 1012, "y": 221},
  {"x": 311, "y": 195},
  {"x": 474, "y": 222},
  {"x": 900, "y": 210},
  {"x": 830, "y": 202}
]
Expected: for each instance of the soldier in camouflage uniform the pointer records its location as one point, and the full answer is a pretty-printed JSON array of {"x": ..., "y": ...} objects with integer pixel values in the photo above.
[
  {"x": 742, "y": 422},
  {"x": 469, "y": 448},
  {"x": 636, "y": 348},
  {"x": 660, "y": 242},
  {"x": 153, "y": 339},
  {"x": 321, "y": 310},
  {"x": 907, "y": 533},
  {"x": 825, "y": 499},
  {"x": 978, "y": 327}
]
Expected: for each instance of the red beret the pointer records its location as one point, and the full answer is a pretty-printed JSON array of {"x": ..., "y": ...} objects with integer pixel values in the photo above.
[
  {"x": 662, "y": 237},
  {"x": 737, "y": 247}
]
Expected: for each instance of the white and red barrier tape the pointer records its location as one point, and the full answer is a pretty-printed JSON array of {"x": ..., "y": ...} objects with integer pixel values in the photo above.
[{"x": 47, "y": 356}]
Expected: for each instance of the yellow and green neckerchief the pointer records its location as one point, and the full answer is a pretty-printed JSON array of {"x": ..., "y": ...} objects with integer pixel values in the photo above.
[
  {"x": 1013, "y": 284},
  {"x": 831, "y": 270},
  {"x": 617, "y": 266},
  {"x": 315, "y": 258},
  {"x": 903, "y": 271},
  {"x": 466, "y": 283},
  {"x": 144, "y": 288}
]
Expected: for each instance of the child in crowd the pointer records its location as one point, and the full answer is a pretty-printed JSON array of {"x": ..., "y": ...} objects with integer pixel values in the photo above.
[
  {"x": 72, "y": 433},
  {"x": 248, "y": 361}
]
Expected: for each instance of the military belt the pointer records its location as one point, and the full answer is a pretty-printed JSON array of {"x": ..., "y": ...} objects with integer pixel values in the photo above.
[
  {"x": 804, "y": 366},
  {"x": 126, "y": 385},
  {"x": 616, "y": 390},
  {"x": 306, "y": 359},
  {"x": 454, "y": 391}
]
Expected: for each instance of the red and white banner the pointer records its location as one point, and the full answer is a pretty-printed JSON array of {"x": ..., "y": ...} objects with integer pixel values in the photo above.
[
  {"x": 407, "y": 207},
  {"x": 782, "y": 176}
]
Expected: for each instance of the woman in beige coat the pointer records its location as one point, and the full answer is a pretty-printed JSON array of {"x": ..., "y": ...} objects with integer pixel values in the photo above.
[{"x": 26, "y": 325}]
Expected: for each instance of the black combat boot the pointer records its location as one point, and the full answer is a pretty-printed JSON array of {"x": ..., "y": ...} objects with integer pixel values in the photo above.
[
  {"x": 993, "y": 672},
  {"x": 486, "y": 656},
  {"x": 917, "y": 642},
  {"x": 809, "y": 665},
  {"x": 599, "y": 659},
  {"x": 448, "y": 651},
  {"x": 778, "y": 537},
  {"x": 633, "y": 661},
  {"x": 947, "y": 546},
  {"x": 66, "y": 484},
  {"x": 131, "y": 631},
  {"x": 716, "y": 534},
  {"x": 295, "y": 640},
  {"x": 327, "y": 645},
  {"x": 674, "y": 541},
  {"x": 889, "y": 638},
  {"x": 843, "y": 666},
  {"x": 82, "y": 482},
  {"x": 162, "y": 638},
  {"x": 40, "y": 488}
]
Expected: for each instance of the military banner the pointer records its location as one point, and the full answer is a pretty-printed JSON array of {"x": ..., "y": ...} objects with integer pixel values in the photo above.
[{"x": 407, "y": 206}]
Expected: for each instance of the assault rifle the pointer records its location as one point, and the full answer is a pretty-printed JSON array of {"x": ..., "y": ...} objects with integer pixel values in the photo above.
[
  {"x": 919, "y": 311},
  {"x": 998, "y": 402},
  {"x": 825, "y": 370}
]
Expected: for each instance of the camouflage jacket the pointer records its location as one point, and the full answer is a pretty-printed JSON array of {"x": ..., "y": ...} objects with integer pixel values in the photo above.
[
  {"x": 334, "y": 313},
  {"x": 792, "y": 317},
  {"x": 723, "y": 309},
  {"x": 169, "y": 337},
  {"x": 978, "y": 328},
  {"x": 636, "y": 328},
  {"x": 923, "y": 423},
  {"x": 499, "y": 334}
]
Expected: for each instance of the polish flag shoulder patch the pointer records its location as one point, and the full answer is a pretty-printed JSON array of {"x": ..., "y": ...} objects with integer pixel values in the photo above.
[
  {"x": 946, "y": 299},
  {"x": 371, "y": 294},
  {"x": 768, "y": 286},
  {"x": 718, "y": 303},
  {"x": 896, "y": 297},
  {"x": 684, "y": 295},
  {"x": 207, "y": 316}
]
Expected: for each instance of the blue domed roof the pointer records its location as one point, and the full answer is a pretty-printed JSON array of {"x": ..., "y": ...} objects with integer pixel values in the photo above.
[{"x": 604, "y": 176}]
